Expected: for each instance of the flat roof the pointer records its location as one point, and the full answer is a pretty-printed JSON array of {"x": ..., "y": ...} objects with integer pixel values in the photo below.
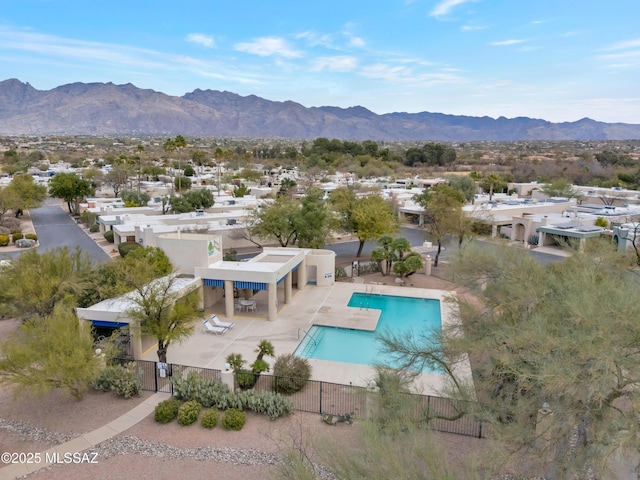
[
  {"x": 270, "y": 265},
  {"x": 181, "y": 284}
]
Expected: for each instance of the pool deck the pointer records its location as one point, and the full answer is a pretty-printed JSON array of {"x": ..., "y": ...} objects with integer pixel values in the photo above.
[{"x": 311, "y": 306}]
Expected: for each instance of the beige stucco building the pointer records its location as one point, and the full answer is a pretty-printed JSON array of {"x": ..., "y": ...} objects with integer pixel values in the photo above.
[{"x": 268, "y": 281}]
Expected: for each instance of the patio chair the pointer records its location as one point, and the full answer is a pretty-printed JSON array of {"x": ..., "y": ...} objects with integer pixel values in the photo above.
[
  {"x": 208, "y": 328},
  {"x": 220, "y": 323}
]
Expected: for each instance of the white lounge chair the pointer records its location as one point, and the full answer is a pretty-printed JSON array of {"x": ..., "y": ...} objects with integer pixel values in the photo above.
[
  {"x": 220, "y": 323},
  {"x": 208, "y": 328}
]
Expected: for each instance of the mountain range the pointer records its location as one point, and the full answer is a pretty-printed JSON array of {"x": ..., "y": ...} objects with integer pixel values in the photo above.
[{"x": 108, "y": 109}]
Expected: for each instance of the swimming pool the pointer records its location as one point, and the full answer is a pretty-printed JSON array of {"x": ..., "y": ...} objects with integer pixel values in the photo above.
[{"x": 398, "y": 314}]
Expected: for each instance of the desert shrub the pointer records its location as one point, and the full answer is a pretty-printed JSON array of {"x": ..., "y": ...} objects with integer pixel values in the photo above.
[
  {"x": 123, "y": 380},
  {"x": 184, "y": 388},
  {"x": 31, "y": 236},
  {"x": 88, "y": 218},
  {"x": 108, "y": 236},
  {"x": 4, "y": 240},
  {"x": 208, "y": 393},
  {"x": 188, "y": 413},
  {"x": 167, "y": 410},
  {"x": 246, "y": 379},
  {"x": 602, "y": 222},
  {"x": 480, "y": 228},
  {"x": 17, "y": 236},
  {"x": 271, "y": 404},
  {"x": 212, "y": 393},
  {"x": 292, "y": 373},
  {"x": 94, "y": 228},
  {"x": 12, "y": 224},
  {"x": 367, "y": 268},
  {"x": 125, "y": 247},
  {"x": 234, "y": 419},
  {"x": 340, "y": 272},
  {"x": 209, "y": 418}
]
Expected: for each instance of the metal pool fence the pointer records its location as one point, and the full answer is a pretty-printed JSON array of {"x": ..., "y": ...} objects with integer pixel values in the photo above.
[{"x": 442, "y": 414}]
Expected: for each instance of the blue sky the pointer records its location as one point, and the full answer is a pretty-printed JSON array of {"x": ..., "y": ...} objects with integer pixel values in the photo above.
[{"x": 560, "y": 60}]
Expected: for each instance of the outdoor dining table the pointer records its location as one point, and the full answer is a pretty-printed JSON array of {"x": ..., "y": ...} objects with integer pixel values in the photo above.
[{"x": 247, "y": 304}]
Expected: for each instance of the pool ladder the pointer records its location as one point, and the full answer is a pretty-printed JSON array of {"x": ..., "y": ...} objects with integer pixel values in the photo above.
[{"x": 307, "y": 334}]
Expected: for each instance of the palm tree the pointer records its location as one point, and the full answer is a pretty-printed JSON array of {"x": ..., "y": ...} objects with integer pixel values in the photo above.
[
  {"x": 265, "y": 348},
  {"x": 492, "y": 179},
  {"x": 140, "y": 149}
]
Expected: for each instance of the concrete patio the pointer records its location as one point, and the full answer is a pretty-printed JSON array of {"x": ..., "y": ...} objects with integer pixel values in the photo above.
[{"x": 312, "y": 305}]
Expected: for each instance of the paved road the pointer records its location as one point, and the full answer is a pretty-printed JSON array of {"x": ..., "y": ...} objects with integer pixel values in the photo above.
[
  {"x": 416, "y": 237},
  {"x": 55, "y": 228}
]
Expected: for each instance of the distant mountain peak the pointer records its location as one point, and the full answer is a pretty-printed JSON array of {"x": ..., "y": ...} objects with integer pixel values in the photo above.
[{"x": 110, "y": 109}]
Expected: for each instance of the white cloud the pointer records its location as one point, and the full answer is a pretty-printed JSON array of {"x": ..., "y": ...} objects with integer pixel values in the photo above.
[
  {"x": 622, "y": 55},
  {"x": 268, "y": 46},
  {"x": 342, "y": 63},
  {"x": 53, "y": 46},
  {"x": 201, "y": 39},
  {"x": 356, "y": 42},
  {"x": 469, "y": 28},
  {"x": 507, "y": 42},
  {"x": 315, "y": 39},
  {"x": 625, "y": 45},
  {"x": 445, "y": 7},
  {"x": 406, "y": 75}
]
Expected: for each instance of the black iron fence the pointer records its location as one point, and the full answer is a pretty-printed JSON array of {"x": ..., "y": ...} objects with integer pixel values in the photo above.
[{"x": 442, "y": 414}]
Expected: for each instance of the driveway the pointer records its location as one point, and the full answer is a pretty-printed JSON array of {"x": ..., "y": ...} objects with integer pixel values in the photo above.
[{"x": 55, "y": 228}]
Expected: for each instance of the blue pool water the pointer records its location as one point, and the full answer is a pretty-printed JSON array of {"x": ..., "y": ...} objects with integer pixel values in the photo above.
[{"x": 398, "y": 314}]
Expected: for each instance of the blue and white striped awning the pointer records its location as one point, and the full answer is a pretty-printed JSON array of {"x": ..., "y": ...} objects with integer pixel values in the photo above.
[
  {"x": 209, "y": 282},
  {"x": 104, "y": 323},
  {"x": 250, "y": 285}
]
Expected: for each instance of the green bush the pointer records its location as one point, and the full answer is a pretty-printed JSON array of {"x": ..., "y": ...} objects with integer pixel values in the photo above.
[
  {"x": 108, "y": 236},
  {"x": 209, "y": 393},
  {"x": 271, "y": 404},
  {"x": 292, "y": 373},
  {"x": 209, "y": 418},
  {"x": 167, "y": 410},
  {"x": 188, "y": 413},
  {"x": 125, "y": 247},
  {"x": 17, "y": 236},
  {"x": 94, "y": 228},
  {"x": 246, "y": 379},
  {"x": 12, "y": 224},
  {"x": 602, "y": 222},
  {"x": 213, "y": 393},
  {"x": 124, "y": 380},
  {"x": 4, "y": 240},
  {"x": 340, "y": 272},
  {"x": 234, "y": 419},
  {"x": 31, "y": 236},
  {"x": 88, "y": 218}
]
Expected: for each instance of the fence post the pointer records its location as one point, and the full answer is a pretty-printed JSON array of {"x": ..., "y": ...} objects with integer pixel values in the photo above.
[{"x": 155, "y": 377}]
